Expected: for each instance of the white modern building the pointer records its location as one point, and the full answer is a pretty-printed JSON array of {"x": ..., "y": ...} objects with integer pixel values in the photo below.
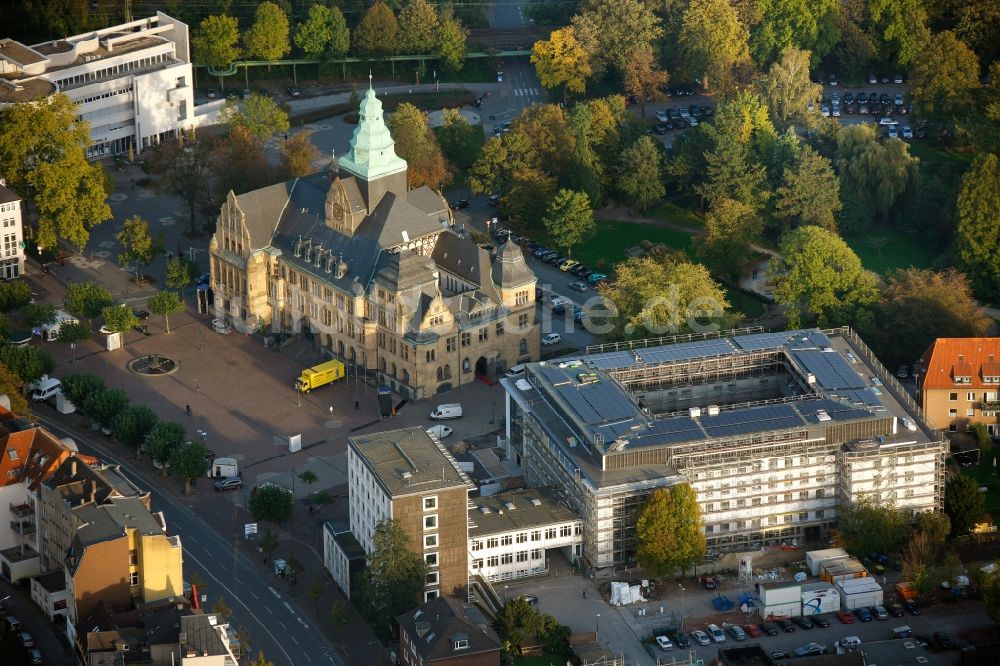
[
  {"x": 11, "y": 251},
  {"x": 510, "y": 534},
  {"x": 133, "y": 82},
  {"x": 773, "y": 431}
]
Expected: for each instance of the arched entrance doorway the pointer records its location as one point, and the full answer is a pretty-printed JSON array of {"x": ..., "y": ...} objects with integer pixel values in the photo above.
[{"x": 483, "y": 370}]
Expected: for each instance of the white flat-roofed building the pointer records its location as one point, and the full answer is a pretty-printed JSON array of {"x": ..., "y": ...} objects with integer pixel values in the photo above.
[
  {"x": 509, "y": 534},
  {"x": 133, "y": 82}
]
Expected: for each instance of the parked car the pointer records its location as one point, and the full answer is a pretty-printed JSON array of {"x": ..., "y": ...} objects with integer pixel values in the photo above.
[
  {"x": 802, "y": 622},
  {"x": 662, "y": 128},
  {"x": 820, "y": 620},
  {"x": 700, "y": 637},
  {"x": 594, "y": 278},
  {"x": 221, "y": 327},
  {"x": 892, "y": 132},
  {"x": 530, "y": 599},
  {"x": 911, "y": 607},
  {"x": 551, "y": 339},
  {"x": 848, "y": 643},
  {"x": 35, "y": 656},
  {"x": 833, "y": 79},
  {"x": 716, "y": 633},
  {"x": 810, "y": 649},
  {"x": 229, "y": 483},
  {"x": 872, "y": 79},
  {"x": 753, "y": 631},
  {"x": 25, "y": 639},
  {"x": 141, "y": 315},
  {"x": 664, "y": 643},
  {"x": 680, "y": 638},
  {"x": 863, "y": 614},
  {"x": 737, "y": 632},
  {"x": 769, "y": 628},
  {"x": 494, "y": 200},
  {"x": 440, "y": 431},
  {"x": 579, "y": 286},
  {"x": 662, "y": 116},
  {"x": 780, "y": 654},
  {"x": 939, "y": 641},
  {"x": 896, "y": 610},
  {"x": 845, "y": 617},
  {"x": 293, "y": 91},
  {"x": 907, "y": 132},
  {"x": 568, "y": 264},
  {"x": 879, "y": 612},
  {"x": 785, "y": 626},
  {"x": 897, "y": 79}
]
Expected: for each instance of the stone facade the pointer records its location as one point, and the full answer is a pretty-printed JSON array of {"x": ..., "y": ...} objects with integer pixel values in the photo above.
[{"x": 373, "y": 273}]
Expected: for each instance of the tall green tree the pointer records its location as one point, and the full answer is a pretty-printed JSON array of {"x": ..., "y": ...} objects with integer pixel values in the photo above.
[
  {"x": 418, "y": 145},
  {"x": 162, "y": 440},
  {"x": 298, "y": 153},
  {"x": 324, "y": 34},
  {"x": 569, "y": 219},
  {"x": 38, "y": 314},
  {"x": 137, "y": 245},
  {"x": 12, "y": 386},
  {"x": 119, "y": 318},
  {"x": 105, "y": 405},
  {"x": 788, "y": 90},
  {"x": 731, "y": 227},
  {"x": 612, "y": 30},
  {"x": 963, "y": 503},
  {"x": 810, "y": 191},
  {"x": 130, "y": 426},
  {"x": 526, "y": 202},
  {"x": 73, "y": 332},
  {"x": 870, "y": 527},
  {"x": 260, "y": 116},
  {"x": 87, "y": 299},
  {"x": 653, "y": 296},
  {"x": 190, "y": 461},
  {"x": 944, "y": 78},
  {"x": 14, "y": 294},
  {"x": 793, "y": 24},
  {"x": 267, "y": 38},
  {"x": 978, "y": 237},
  {"x": 642, "y": 77},
  {"x": 165, "y": 303},
  {"x": 561, "y": 60},
  {"x": 640, "y": 173},
  {"x": 272, "y": 503},
  {"x": 28, "y": 363},
  {"x": 979, "y": 27},
  {"x": 78, "y": 385},
  {"x": 418, "y": 27},
  {"x": 179, "y": 273},
  {"x": 901, "y": 27},
  {"x": 874, "y": 174},
  {"x": 394, "y": 577},
  {"x": 712, "y": 42},
  {"x": 451, "y": 44},
  {"x": 668, "y": 530},
  {"x": 460, "y": 141},
  {"x": 377, "y": 35},
  {"x": 818, "y": 275},
  {"x": 43, "y": 158},
  {"x": 216, "y": 41}
]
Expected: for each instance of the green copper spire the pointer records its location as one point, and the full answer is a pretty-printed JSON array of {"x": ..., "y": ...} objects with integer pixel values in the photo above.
[{"x": 372, "y": 153}]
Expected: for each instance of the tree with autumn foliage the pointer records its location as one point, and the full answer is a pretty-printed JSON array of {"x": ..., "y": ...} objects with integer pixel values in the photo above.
[
  {"x": 643, "y": 79},
  {"x": 561, "y": 60},
  {"x": 669, "y": 532},
  {"x": 417, "y": 144}
]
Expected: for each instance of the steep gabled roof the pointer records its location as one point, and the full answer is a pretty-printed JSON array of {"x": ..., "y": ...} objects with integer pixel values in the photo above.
[
  {"x": 439, "y": 624},
  {"x": 262, "y": 210},
  {"x": 948, "y": 358},
  {"x": 395, "y": 222}
]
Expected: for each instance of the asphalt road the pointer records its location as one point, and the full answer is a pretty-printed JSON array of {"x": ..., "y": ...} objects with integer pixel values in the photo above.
[
  {"x": 508, "y": 14},
  {"x": 273, "y": 623}
]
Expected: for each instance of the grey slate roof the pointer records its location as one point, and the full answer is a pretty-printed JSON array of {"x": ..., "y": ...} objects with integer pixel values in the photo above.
[
  {"x": 406, "y": 270},
  {"x": 428, "y": 201},
  {"x": 7, "y": 195},
  {"x": 263, "y": 208},
  {"x": 392, "y": 217},
  {"x": 509, "y": 268},
  {"x": 436, "y": 625},
  {"x": 201, "y": 635}
]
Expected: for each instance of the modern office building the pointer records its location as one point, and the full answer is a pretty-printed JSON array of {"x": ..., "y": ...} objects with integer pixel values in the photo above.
[
  {"x": 11, "y": 249},
  {"x": 772, "y": 430},
  {"x": 409, "y": 476},
  {"x": 959, "y": 379},
  {"x": 133, "y": 82},
  {"x": 373, "y": 273}
]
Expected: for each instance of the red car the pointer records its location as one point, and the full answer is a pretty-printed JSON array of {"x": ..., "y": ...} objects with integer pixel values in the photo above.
[
  {"x": 845, "y": 617},
  {"x": 753, "y": 631}
]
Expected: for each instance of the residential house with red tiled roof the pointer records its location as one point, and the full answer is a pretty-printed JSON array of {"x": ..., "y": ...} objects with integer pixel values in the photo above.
[{"x": 959, "y": 379}]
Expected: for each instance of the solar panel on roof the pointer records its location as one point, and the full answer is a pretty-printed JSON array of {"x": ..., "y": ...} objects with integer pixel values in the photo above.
[
  {"x": 759, "y": 341},
  {"x": 555, "y": 375},
  {"x": 755, "y": 419},
  {"x": 579, "y": 405},
  {"x": 829, "y": 368}
]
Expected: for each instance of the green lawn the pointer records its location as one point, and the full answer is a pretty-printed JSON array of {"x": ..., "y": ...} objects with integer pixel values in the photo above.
[
  {"x": 986, "y": 475},
  {"x": 607, "y": 247},
  {"x": 674, "y": 214},
  {"x": 745, "y": 303},
  {"x": 883, "y": 250},
  {"x": 932, "y": 151}
]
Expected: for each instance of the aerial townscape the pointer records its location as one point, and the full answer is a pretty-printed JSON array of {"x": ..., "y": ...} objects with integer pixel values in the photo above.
[{"x": 510, "y": 333}]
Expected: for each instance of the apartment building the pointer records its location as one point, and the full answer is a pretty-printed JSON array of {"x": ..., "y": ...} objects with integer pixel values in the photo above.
[
  {"x": 132, "y": 82},
  {"x": 958, "y": 380},
  {"x": 447, "y": 631},
  {"x": 772, "y": 430},
  {"x": 409, "y": 476},
  {"x": 511, "y": 534},
  {"x": 11, "y": 233},
  {"x": 120, "y": 555},
  {"x": 373, "y": 273}
]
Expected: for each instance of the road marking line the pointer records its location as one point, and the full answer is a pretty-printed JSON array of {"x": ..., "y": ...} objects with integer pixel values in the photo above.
[
  {"x": 269, "y": 610},
  {"x": 253, "y": 595},
  {"x": 534, "y": 91},
  {"x": 294, "y": 640},
  {"x": 289, "y": 607},
  {"x": 303, "y": 623},
  {"x": 274, "y": 592},
  {"x": 283, "y": 625}
]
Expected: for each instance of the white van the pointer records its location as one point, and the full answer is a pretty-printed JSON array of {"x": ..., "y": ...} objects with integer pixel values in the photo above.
[
  {"x": 45, "y": 389},
  {"x": 449, "y": 411},
  {"x": 516, "y": 372}
]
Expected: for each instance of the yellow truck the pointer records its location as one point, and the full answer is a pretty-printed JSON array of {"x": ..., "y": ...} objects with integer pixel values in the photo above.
[{"x": 318, "y": 375}]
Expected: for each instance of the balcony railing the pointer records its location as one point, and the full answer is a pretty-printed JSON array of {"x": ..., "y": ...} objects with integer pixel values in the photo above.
[{"x": 22, "y": 510}]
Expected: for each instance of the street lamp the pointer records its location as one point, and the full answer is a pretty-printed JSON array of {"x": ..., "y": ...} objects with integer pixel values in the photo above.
[
  {"x": 597, "y": 627},
  {"x": 682, "y": 605}
]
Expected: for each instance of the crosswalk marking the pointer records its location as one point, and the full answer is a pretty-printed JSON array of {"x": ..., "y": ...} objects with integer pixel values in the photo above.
[{"x": 517, "y": 92}]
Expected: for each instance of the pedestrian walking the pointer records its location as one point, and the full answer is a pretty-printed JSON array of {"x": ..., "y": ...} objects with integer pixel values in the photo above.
[
  {"x": 187, "y": 408},
  {"x": 585, "y": 594},
  {"x": 357, "y": 404}
]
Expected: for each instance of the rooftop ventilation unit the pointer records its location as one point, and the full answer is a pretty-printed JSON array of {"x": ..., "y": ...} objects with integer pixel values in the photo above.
[
  {"x": 694, "y": 412},
  {"x": 713, "y": 410},
  {"x": 509, "y": 505},
  {"x": 406, "y": 475},
  {"x": 810, "y": 379},
  {"x": 485, "y": 510},
  {"x": 535, "y": 501},
  {"x": 821, "y": 415}
]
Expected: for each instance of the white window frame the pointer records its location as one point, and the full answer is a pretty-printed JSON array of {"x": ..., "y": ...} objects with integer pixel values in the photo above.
[
  {"x": 433, "y": 499},
  {"x": 434, "y": 556},
  {"x": 430, "y": 595},
  {"x": 461, "y": 644},
  {"x": 431, "y": 521},
  {"x": 431, "y": 540},
  {"x": 436, "y": 581}
]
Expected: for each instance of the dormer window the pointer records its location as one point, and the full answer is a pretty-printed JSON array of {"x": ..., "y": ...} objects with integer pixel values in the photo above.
[
  {"x": 459, "y": 641},
  {"x": 461, "y": 645}
]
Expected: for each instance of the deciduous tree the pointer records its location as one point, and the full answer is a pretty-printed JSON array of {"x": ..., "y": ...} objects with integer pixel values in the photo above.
[
  {"x": 561, "y": 60},
  {"x": 268, "y": 543},
  {"x": 72, "y": 332},
  {"x": 642, "y": 77},
  {"x": 653, "y": 296},
  {"x": 569, "y": 219},
  {"x": 669, "y": 532},
  {"x": 793, "y": 24},
  {"x": 298, "y": 153},
  {"x": 611, "y": 30},
  {"x": 272, "y": 503},
  {"x": 978, "y": 238},
  {"x": 260, "y": 116},
  {"x": 810, "y": 191},
  {"x": 105, "y": 405},
  {"x": 42, "y": 156},
  {"x": 460, "y": 142},
  {"x": 543, "y": 138},
  {"x": 937, "y": 526},
  {"x": 87, "y": 299},
  {"x": 394, "y": 577},
  {"x": 190, "y": 461},
  {"x": 869, "y": 527},
  {"x": 11, "y": 385},
  {"x": 527, "y": 199},
  {"x": 418, "y": 27},
  {"x": 182, "y": 168},
  {"x": 944, "y": 78},
  {"x": 817, "y": 275},
  {"x": 989, "y": 586},
  {"x": 137, "y": 245},
  {"x": 712, "y": 41},
  {"x": 267, "y": 38},
  {"x": 14, "y": 294},
  {"x": 417, "y": 144},
  {"x": 37, "y": 314},
  {"x": 78, "y": 385},
  {"x": 119, "y": 318},
  {"x": 29, "y": 363},
  {"x": 963, "y": 503},
  {"x": 640, "y": 176},
  {"x": 130, "y": 426},
  {"x": 179, "y": 273},
  {"x": 161, "y": 442},
  {"x": 874, "y": 174},
  {"x": 730, "y": 229},
  {"x": 324, "y": 33},
  {"x": 788, "y": 91},
  {"x": 451, "y": 45},
  {"x": 165, "y": 303},
  {"x": 215, "y": 42},
  {"x": 901, "y": 26},
  {"x": 377, "y": 34}
]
